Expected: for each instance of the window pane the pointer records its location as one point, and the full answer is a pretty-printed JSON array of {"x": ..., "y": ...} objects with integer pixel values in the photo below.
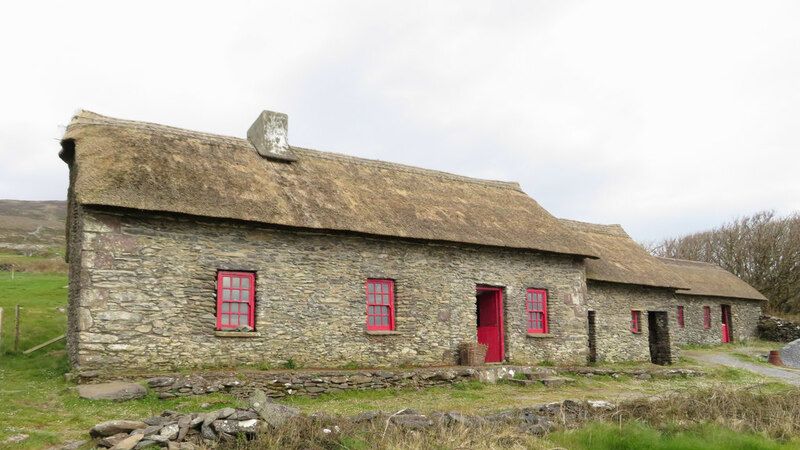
[
  {"x": 372, "y": 320},
  {"x": 236, "y": 281},
  {"x": 226, "y": 307},
  {"x": 234, "y": 295},
  {"x": 226, "y": 281},
  {"x": 245, "y": 283},
  {"x": 370, "y": 287},
  {"x": 225, "y": 319},
  {"x": 226, "y": 294},
  {"x": 385, "y": 310},
  {"x": 385, "y": 320},
  {"x": 245, "y": 294},
  {"x": 235, "y": 319}
]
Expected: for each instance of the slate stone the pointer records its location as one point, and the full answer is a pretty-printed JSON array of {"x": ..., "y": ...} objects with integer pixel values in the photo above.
[
  {"x": 113, "y": 427},
  {"x": 276, "y": 415},
  {"x": 790, "y": 354},
  {"x": 129, "y": 443},
  {"x": 115, "y": 390}
]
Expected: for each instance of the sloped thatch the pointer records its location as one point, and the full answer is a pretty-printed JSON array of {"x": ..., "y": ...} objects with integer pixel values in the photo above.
[
  {"x": 157, "y": 168},
  {"x": 622, "y": 260},
  {"x": 710, "y": 279}
]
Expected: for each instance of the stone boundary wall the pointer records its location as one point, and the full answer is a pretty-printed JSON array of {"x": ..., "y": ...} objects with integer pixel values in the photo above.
[
  {"x": 776, "y": 329},
  {"x": 277, "y": 384}
]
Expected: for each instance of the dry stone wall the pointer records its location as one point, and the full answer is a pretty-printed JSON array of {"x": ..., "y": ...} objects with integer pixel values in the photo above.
[
  {"x": 145, "y": 292},
  {"x": 612, "y": 303},
  {"x": 744, "y": 319}
]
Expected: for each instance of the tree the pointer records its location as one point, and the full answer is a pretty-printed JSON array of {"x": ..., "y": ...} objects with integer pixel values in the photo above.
[{"x": 762, "y": 249}]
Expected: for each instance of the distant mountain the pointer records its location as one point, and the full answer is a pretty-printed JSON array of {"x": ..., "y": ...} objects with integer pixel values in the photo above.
[{"x": 32, "y": 227}]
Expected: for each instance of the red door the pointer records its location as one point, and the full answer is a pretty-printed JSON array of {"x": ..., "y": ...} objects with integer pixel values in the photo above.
[
  {"x": 726, "y": 323},
  {"x": 490, "y": 322}
]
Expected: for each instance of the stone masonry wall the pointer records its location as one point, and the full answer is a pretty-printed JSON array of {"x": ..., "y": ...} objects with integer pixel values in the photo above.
[
  {"x": 146, "y": 298},
  {"x": 744, "y": 318},
  {"x": 612, "y": 304}
]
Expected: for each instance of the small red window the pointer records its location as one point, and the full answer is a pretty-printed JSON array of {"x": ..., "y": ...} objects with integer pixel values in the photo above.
[
  {"x": 536, "y": 310},
  {"x": 681, "y": 323},
  {"x": 236, "y": 300},
  {"x": 380, "y": 304},
  {"x": 706, "y": 317},
  {"x": 636, "y": 320}
]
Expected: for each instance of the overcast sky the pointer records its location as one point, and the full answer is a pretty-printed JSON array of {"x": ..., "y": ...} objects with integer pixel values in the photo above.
[{"x": 666, "y": 117}]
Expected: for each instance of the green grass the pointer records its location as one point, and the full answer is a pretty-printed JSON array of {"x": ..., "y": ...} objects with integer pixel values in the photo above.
[
  {"x": 40, "y": 296},
  {"x": 635, "y": 436}
]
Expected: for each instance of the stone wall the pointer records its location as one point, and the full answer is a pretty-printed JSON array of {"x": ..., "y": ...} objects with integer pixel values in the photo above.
[
  {"x": 144, "y": 296},
  {"x": 744, "y": 318},
  {"x": 612, "y": 303},
  {"x": 777, "y": 329}
]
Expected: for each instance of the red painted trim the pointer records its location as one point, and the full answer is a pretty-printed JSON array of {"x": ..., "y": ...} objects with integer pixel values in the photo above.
[
  {"x": 681, "y": 319},
  {"x": 545, "y": 325},
  {"x": 706, "y": 317},
  {"x": 390, "y": 285},
  {"x": 636, "y": 318},
  {"x": 251, "y": 301},
  {"x": 499, "y": 293}
]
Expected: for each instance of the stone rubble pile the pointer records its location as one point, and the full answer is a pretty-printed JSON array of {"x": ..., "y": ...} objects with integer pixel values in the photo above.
[
  {"x": 176, "y": 431},
  {"x": 778, "y": 330}
]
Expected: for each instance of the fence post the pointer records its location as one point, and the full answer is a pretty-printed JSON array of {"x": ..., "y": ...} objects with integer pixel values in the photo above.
[
  {"x": 16, "y": 329},
  {"x": 1, "y": 331}
]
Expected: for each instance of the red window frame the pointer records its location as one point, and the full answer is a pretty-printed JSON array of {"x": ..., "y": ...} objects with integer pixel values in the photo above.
[
  {"x": 706, "y": 317},
  {"x": 236, "y": 294},
  {"x": 681, "y": 320},
  {"x": 636, "y": 321},
  {"x": 380, "y": 304},
  {"x": 536, "y": 311}
]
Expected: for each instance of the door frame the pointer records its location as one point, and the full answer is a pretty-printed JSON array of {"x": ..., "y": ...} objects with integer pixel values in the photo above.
[{"x": 498, "y": 294}]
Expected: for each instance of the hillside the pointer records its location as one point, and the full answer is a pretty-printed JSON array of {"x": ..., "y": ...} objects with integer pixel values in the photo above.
[{"x": 32, "y": 227}]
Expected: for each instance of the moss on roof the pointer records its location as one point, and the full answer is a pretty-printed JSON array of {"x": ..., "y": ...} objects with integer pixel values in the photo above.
[
  {"x": 152, "y": 167},
  {"x": 703, "y": 278}
]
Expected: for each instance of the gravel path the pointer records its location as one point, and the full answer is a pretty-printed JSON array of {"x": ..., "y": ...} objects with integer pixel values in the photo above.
[{"x": 786, "y": 375}]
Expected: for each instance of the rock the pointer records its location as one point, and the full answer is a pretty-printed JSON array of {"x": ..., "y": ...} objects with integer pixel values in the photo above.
[
  {"x": 250, "y": 426},
  {"x": 16, "y": 438},
  {"x": 538, "y": 425},
  {"x": 225, "y": 413},
  {"x": 145, "y": 443},
  {"x": 601, "y": 404},
  {"x": 790, "y": 354},
  {"x": 160, "y": 382},
  {"x": 445, "y": 375},
  {"x": 129, "y": 443},
  {"x": 113, "y": 427},
  {"x": 225, "y": 426},
  {"x": 115, "y": 390},
  {"x": 274, "y": 414},
  {"x": 73, "y": 445},
  {"x": 152, "y": 429},
  {"x": 412, "y": 421},
  {"x": 644, "y": 376},
  {"x": 170, "y": 431},
  {"x": 111, "y": 441},
  {"x": 555, "y": 381},
  {"x": 171, "y": 445},
  {"x": 157, "y": 420},
  {"x": 243, "y": 415},
  {"x": 184, "y": 424}
]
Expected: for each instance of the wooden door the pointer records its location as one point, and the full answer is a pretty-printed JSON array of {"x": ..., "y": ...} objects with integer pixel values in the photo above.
[
  {"x": 726, "y": 323},
  {"x": 490, "y": 322}
]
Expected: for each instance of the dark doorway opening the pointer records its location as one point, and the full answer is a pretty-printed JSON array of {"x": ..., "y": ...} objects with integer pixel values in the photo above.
[
  {"x": 658, "y": 330},
  {"x": 727, "y": 331},
  {"x": 592, "y": 357},
  {"x": 489, "y": 305}
]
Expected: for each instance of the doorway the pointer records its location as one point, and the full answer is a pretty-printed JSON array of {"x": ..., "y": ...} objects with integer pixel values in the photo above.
[
  {"x": 592, "y": 358},
  {"x": 658, "y": 336},
  {"x": 727, "y": 334},
  {"x": 489, "y": 306}
]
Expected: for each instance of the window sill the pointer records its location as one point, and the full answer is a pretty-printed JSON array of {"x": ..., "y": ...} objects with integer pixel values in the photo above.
[
  {"x": 237, "y": 334},
  {"x": 540, "y": 335},
  {"x": 381, "y": 332}
]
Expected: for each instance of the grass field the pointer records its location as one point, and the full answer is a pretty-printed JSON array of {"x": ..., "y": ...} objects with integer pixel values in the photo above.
[{"x": 36, "y": 399}]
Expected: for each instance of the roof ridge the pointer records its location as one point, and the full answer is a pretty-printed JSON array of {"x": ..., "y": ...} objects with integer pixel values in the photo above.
[
  {"x": 88, "y": 118},
  {"x": 614, "y": 229},
  {"x": 690, "y": 261}
]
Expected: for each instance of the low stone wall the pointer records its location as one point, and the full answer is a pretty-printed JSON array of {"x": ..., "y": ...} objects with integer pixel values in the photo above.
[
  {"x": 776, "y": 329},
  {"x": 277, "y": 384}
]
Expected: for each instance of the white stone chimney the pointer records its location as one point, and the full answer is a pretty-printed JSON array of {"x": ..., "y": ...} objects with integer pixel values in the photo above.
[{"x": 269, "y": 134}]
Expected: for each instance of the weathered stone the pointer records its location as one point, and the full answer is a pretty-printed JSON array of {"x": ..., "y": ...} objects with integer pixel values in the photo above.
[
  {"x": 129, "y": 443},
  {"x": 275, "y": 414},
  {"x": 115, "y": 390},
  {"x": 160, "y": 381},
  {"x": 170, "y": 431},
  {"x": 243, "y": 415},
  {"x": 145, "y": 443},
  {"x": 113, "y": 427},
  {"x": 73, "y": 445},
  {"x": 225, "y": 413},
  {"x": 368, "y": 416},
  {"x": 16, "y": 438},
  {"x": 790, "y": 354},
  {"x": 225, "y": 426},
  {"x": 555, "y": 381},
  {"x": 412, "y": 421},
  {"x": 601, "y": 404},
  {"x": 152, "y": 429}
]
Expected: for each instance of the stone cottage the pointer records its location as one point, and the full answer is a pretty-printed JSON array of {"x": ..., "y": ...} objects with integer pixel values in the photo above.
[
  {"x": 189, "y": 249},
  {"x": 715, "y": 306}
]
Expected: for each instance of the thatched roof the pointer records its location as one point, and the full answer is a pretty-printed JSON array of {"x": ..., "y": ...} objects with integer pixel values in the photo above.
[
  {"x": 622, "y": 260},
  {"x": 153, "y": 167},
  {"x": 710, "y": 279}
]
